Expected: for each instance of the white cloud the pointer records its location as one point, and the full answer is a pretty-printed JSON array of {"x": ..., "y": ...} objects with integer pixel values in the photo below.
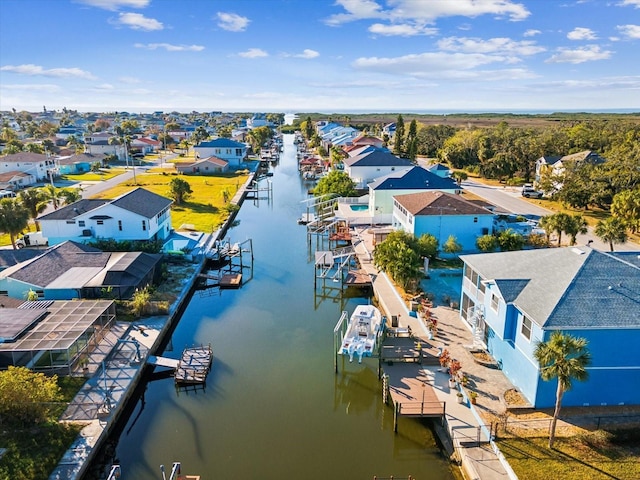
[
  {"x": 426, "y": 11},
  {"x": 402, "y": 30},
  {"x": 504, "y": 46},
  {"x": 632, "y": 3},
  {"x": 531, "y": 33},
  {"x": 581, "y": 33},
  {"x": 580, "y": 55},
  {"x": 307, "y": 54},
  {"x": 232, "y": 22},
  {"x": 115, "y": 5},
  {"x": 137, "y": 21},
  {"x": 253, "y": 53},
  {"x": 130, "y": 80},
  {"x": 30, "y": 69},
  {"x": 40, "y": 87},
  {"x": 629, "y": 31},
  {"x": 104, "y": 87},
  {"x": 170, "y": 47}
]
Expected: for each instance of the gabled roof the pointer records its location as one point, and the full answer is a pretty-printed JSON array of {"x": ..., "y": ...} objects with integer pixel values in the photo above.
[
  {"x": 26, "y": 157},
  {"x": 438, "y": 203},
  {"x": 438, "y": 167},
  {"x": 5, "y": 177},
  {"x": 69, "y": 212},
  {"x": 80, "y": 158},
  {"x": 143, "y": 202},
  {"x": 567, "y": 288},
  {"x": 377, "y": 158},
  {"x": 10, "y": 257},
  {"x": 412, "y": 179},
  {"x": 221, "y": 143}
]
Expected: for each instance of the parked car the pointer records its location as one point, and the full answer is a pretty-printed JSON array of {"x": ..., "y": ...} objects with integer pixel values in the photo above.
[
  {"x": 35, "y": 239},
  {"x": 529, "y": 192}
]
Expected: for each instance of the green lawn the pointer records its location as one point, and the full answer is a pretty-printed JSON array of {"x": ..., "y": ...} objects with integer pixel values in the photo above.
[
  {"x": 205, "y": 208},
  {"x": 573, "y": 458},
  {"x": 104, "y": 174}
]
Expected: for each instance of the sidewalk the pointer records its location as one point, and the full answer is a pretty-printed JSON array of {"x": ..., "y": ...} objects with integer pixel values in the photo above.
[{"x": 470, "y": 435}]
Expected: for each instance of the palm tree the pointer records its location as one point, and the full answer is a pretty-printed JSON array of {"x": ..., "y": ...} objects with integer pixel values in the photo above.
[
  {"x": 575, "y": 224},
  {"x": 14, "y": 218},
  {"x": 566, "y": 358},
  {"x": 547, "y": 223},
  {"x": 34, "y": 201},
  {"x": 612, "y": 230},
  {"x": 52, "y": 194}
]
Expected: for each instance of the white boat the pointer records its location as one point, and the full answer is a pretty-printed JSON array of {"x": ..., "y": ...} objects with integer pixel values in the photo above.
[{"x": 363, "y": 332}]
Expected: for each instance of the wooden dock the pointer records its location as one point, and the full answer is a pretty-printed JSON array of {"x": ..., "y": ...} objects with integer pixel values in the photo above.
[
  {"x": 231, "y": 280},
  {"x": 401, "y": 346},
  {"x": 194, "y": 366},
  {"x": 358, "y": 278}
]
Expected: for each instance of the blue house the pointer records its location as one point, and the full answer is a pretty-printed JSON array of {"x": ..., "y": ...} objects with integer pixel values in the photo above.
[
  {"x": 78, "y": 163},
  {"x": 513, "y": 300},
  {"x": 442, "y": 214}
]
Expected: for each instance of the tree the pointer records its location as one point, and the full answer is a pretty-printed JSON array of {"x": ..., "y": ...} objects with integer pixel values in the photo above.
[
  {"x": 53, "y": 195},
  {"x": 14, "y": 218},
  {"x": 179, "y": 190},
  {"x": 34, "y": 148},
  {"x": 508, "y": 240},
  {"x": 565, "y": 358},
  {"x": 398, "y": 137},
  {"x": 626, "y": 207},
  {"x": 459, "y": 176},
  {"x": 487, "y": 243},
  {"x": 35, "y": 202},
  {"x": 336, "y": 182},
  {"x": 412, "y": 141},
  {"x": 575, "y": 224},
  {"x": 398, "y": 256},
  {"x": 451, "y": 246},
  {"x": 26, "y": 396},
  {"x": 428, "y": 246},
  {"x": 612, "y": 230},
  {"x": 70, "y": 195}
]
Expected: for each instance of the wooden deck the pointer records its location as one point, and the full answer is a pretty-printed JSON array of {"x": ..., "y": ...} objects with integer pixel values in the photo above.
[
  {"x": 231, "y": 280},
  {"x": 405, "y": 348},
  {"x": 194, "y": 366},
  {"x": 358, "y": 278},
  {"x": 411, "y": 392}
]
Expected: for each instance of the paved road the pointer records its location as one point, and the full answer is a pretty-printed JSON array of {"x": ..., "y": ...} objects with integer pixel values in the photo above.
[{"x": 510, "y": 200}]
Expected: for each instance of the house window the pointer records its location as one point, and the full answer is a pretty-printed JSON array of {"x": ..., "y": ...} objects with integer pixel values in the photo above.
[
  {"x": 494, "y": 302},
  {"x": 120, "y": 225},
  {"x": 475, "y": 219},
  {"x": 144, "y": 225},
  {"x": 100, "y": 222},
  {"x": 526, "y": 328},
  {"x": 81, "y": 223},
  {"x": 71, "y": 222}
]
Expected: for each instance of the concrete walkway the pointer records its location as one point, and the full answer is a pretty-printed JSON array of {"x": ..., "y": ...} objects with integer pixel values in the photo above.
[{"x": 479, "y": 457}]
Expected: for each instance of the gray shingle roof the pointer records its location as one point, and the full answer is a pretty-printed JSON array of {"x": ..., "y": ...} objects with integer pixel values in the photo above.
[
  {"x": 377, "y": 158},
  {"x": 567, "y": 288},
  {"x": 413, "y": 179},
  {"x": 70, "y": 212},
  {"x": 142, "y": 202}
]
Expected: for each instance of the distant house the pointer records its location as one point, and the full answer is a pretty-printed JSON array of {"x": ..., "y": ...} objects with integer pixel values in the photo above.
[
  {"x": 145, "y": 145},
  {"x": 98, "y": 143},
  {"x": 16, "y": 180},
  {"x": 78, "y": 163},
  {"x": 231, "y": 151},
  {"x": 412, "y": 179},
  {"x": 35, "y": 164},
  {"x": 374, "y": 163},
  {"x": 257, "y": 120},
  {"x": 440, "y": 170},
  {"x": 364, "y": 139},
  {"x": 73, "y": 270},
  {"x": 512, "y": 300},
  {"x": 206, "y": 166},
  {"x": 555, "y": 165},
  {"x": 137, "y": 215},
  {"x": 442, "y": 214},
  {"x": 389, "y": 129},
  {"x": 64, "y": 133}
]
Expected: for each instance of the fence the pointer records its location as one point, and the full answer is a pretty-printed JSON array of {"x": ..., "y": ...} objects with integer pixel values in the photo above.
[{"x": 566, "y": 426}]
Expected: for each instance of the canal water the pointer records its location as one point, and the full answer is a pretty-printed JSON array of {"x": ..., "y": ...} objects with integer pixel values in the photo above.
[{"x": 273, "y": 406}]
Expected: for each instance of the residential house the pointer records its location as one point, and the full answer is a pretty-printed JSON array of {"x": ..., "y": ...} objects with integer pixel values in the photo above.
[
  {"x": 373, "y": 164},
  {"x": 405, "y": 180},
  {"x": 513, "y": 300},
  {"x": 136, "y": 215},
  {"x": 389, "y": 129},
  {"x": 555, "y": 165},
  {"x": 206, "y": 166},
  {"x": 98, "y": 143},
  {"x": 73, "y": 270},
  {"x": 64, "y": 133},
  {"x": 440, "y": 170},
  {"x": 145, "y": 145},
  {"x": 442, "y": 214},
  {"x": 223, "y": 148},
  {"x": 36, "y": 164},
  {"x": 16, "y": 180},
  {"x": 257, "y": 120},
  {"x": 78, "y": 163},
  {"x": 364, "y": 139}
]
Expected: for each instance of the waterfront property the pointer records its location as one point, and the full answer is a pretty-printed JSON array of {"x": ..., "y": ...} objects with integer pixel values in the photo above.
[
  {"x": 226, "y": 149},
  {"x": 514, "y": 300},
  {"x": 372, "y": 164},
  {"x": 136, "y": 215},
  {"x": 442, "y": 214}
]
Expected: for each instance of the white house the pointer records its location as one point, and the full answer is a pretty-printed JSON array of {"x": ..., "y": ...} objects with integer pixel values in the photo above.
[
  {"x": 136, "y": 215},
  {"x": 223, "y": 148},
  {"x": 441, "y": 215},
  {"x": 98, "y": 143},
  {"x": 206, "y": 166},
  {"x": 35, "y": 164},
  {"x": 376, "y": 163},
  {"x": 555, "y": 165},
  {"x": 16, "y": 180}
]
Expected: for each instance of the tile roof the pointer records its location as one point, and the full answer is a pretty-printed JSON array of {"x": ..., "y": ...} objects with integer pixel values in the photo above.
[
  {"x": 412, "y": 179},
  {"x": 438, "y": 203},
  {"x": 143, "y": 202},
  {"x": 567, "y": 288}
]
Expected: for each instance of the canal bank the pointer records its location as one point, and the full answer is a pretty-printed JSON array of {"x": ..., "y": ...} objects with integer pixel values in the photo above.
[{"x": 121, "y": 362}]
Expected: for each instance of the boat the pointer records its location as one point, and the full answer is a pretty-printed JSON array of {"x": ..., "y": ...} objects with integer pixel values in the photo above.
[{"x": 363, "y": 332}]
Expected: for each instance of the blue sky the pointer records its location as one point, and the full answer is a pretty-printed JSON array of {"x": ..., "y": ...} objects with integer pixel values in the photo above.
[{"x": 320, "y": 55}]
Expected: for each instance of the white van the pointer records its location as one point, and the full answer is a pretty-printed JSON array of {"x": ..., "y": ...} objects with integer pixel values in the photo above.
[{"x": 34, "y": 239}]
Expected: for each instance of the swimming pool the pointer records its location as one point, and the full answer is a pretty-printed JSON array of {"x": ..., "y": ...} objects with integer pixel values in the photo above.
[
  {"x": 443, "y": 283},
  {"x": 359, "y": 208}
]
